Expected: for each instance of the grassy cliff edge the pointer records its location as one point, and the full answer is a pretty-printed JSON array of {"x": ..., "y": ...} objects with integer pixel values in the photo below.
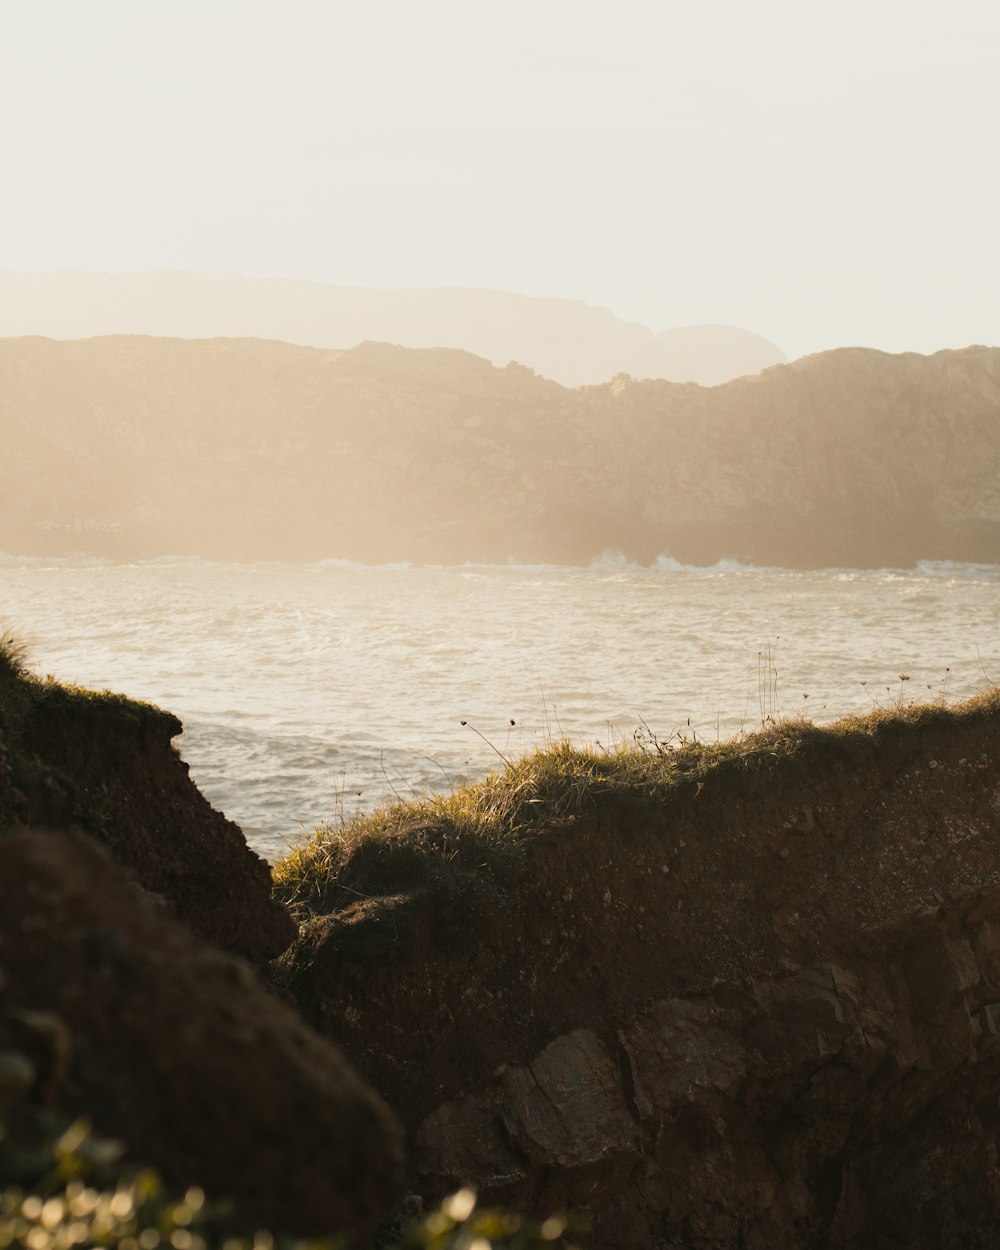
[{"x": 482, "y": 829}]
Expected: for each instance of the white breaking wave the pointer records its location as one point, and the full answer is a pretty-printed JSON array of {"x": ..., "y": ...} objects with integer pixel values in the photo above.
[{"x": 953, "y": 569}]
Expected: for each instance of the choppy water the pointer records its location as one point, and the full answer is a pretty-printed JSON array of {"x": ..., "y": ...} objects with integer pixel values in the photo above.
[{"x": 306, "y": 691}]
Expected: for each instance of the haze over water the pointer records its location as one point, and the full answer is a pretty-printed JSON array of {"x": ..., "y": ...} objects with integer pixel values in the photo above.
[
  {"x": 821, "y": 178},
  {"x": 300, "y": 685}
]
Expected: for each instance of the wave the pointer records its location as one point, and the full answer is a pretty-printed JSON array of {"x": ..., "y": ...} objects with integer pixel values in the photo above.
[
  {"x": 167, "y": 561},
  {"x": 616, "y": 562},
  {"x": 72, "y": 560},
  {"x": 955, "y": 568},
  {"x": 608, "y": 561},
  {"x": 358, "y": 566},
  {"x": 667, "y": 564},
  {"x": 940, "y": 569}
]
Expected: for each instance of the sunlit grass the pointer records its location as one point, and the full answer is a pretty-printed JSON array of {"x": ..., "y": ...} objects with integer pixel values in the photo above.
[
  {"x": 19, "y": 683},
  {"x": 484, "y": 827}
]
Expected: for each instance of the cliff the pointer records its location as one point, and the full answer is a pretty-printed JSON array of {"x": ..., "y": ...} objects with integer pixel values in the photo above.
[
  {"x": 745, "y": 995},
  {"x": 242, "y": 449},
  {"x": 101, "y": 764},
  {"x": 567, "y": 340}
]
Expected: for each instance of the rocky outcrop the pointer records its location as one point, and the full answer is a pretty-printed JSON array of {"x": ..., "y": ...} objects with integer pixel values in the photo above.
[
  {"x": 763, "y": 1013},
  {"x": 246, "y": 449},
  {"x": 572, "y": 342},
  {"x": 105, "y": 764},
  {"x": 111, "y": 1009},
  {"x": 844, "y": 1104}
]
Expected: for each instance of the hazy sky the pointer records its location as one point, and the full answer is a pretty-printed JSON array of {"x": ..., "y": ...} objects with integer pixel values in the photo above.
[{"x": 821, "y": 173}]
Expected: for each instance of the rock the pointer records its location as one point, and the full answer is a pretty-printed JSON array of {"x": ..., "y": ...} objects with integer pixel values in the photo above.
[
  {"x": 806, "y": 1118},
  {"x": 565, "y": 1112},
  {"x": 176, "y": 1049}
]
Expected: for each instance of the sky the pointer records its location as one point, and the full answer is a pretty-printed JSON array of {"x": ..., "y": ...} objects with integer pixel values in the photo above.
[{"x": 823, "y": 174}]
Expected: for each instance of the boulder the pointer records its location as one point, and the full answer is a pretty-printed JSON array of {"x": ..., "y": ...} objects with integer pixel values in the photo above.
[{"x": 112, "y": 1009}]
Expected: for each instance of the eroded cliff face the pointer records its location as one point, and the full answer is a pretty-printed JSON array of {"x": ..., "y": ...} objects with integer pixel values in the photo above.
[
  {"x": 764, "y": 1014},
  {"x": 105, "y": 765},
  {"x": 246, "y": 449},
  {"x": 849, "y": 1103}
]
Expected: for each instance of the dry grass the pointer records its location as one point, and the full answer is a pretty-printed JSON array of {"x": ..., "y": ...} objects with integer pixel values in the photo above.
[{"x": 483, "y": 828}]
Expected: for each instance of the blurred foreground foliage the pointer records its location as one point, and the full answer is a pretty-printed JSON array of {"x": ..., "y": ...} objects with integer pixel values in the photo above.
[{"x": 68, "y": 1189}]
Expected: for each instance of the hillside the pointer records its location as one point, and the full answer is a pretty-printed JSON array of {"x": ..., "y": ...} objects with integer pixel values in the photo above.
[
  {"x": 238, "y": 448},
  {"x": 568, "y": 340}
]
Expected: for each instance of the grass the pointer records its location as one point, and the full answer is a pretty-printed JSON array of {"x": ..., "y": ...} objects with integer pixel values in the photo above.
[
  {"x": 13, "y": 657},
  {"x": 23, "y": 696},
  {"x": 19, "y": 684},
  {"x": 15, "y": 697},
  {"x": 479, "y": 828},
  {"x": 483, "y": 828},
  {"x": 53, "y": 692}
]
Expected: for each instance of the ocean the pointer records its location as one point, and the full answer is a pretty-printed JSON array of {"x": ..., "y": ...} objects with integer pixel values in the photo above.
[{"x": 308, "y": 692}]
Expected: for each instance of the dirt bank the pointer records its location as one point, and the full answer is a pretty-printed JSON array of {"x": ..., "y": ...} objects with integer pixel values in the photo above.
[
  {"x": 105, "y": 764},
  {"x": 737, "y": 1011}
]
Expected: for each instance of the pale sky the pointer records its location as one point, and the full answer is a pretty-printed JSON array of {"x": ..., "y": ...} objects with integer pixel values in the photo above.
[{"x": 822, "y": 173}]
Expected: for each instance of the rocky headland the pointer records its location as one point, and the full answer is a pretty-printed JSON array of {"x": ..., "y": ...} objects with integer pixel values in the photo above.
[
  {"x": 737, "y": 995},
  {"x": 243, "y": 449}
]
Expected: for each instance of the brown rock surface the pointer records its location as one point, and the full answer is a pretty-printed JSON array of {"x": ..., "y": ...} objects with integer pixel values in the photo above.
[
  {"x": 762, "y": 1013},
  {"x": 111, "y": 1009}
]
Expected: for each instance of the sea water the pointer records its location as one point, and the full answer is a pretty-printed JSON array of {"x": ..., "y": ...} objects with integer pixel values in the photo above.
[{"x": 308, "y": 692}]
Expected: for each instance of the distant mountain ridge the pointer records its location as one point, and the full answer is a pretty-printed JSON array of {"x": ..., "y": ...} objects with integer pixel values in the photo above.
[
  {"x": 242, "y": 449},
  {"x": 567, "y": 340}
]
